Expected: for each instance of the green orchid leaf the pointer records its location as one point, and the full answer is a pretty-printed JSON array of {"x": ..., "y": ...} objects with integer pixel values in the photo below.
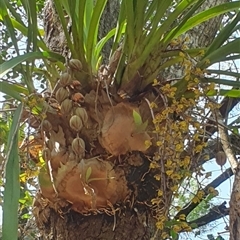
[
  {"x": 233, "y": 93},
  {"x": 5, "y": 17},
  {"x": 137, "y": 118},
  {"x": 220, "y": 54},
  {"x": 141, "y": 128},
  {"x": 7, "y": 66},
  {"x": 174, "y": 32},
  {"x": 61, "y": 14},
  {"x": 93, "y": 31},
  {"x": 130, "y": 28},
  {"x": 173, "y": 234},
  {"x": 12, "y": 185},
  {"x": 222, "y": 81},
  {"x": 224, "y": 34},
  {"x": 44, "y": 177},
  {"x": 119, "y": 29},
  {"x": 206, "y": 15},
  {"x": 76, "y": 12},
  {"x": 14, "y": 90},
  {"x": 222, "y": 72},
  {"x": 103, "y": 41},
  {"x": 235, "y": 130},
  {"x": 164, "y": 27},
  {"x": 88, "y": 174}
]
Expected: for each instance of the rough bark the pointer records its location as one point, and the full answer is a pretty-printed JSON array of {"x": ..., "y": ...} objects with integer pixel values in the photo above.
[
  {"x": 74, "y": 226},
  {"x": 235, "y": 207},
  {"x": 132, "y": 222}
]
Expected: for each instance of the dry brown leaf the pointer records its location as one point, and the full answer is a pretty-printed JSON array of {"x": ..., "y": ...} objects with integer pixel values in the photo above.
[
  {"x": 45, "y": 183},
  {"x": 119, "y": 134},
  {"x": 58, "y": 159},
  {"x": 92, "y": 189},
  {"x": 58, "y": 137}
]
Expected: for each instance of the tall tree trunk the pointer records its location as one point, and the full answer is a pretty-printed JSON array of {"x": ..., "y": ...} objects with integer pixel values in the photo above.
[
  {"x": 134, "y": 219},
  {"x": 235, "y": 207}
]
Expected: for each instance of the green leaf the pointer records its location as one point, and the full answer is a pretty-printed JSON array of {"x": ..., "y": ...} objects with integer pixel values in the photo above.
[
  {"x": 130, "y": 24},
  {"x": 171, "y": 223},
  {"x": 12, "y": 185},
  {"x": 210, "y": 237},
  {"x": 24, "y": 30},
  {"x": 77, "y": 8},
  {"x": 235, "y": 130},
  {"x": 32, "y": 25},
  {"x": 141, "y": 128},
  {"x": 222, "y": 72},
  {"x": 139, "y": 22},
  {"x": 7, "y": 66},
  {"x": 88, "y": 173},
  {"x": 13, "y": 11},
  {"x": 186, "y": 17},
  {"x": 173, "y": 234},
  {"x": 182, "y": 5},
  {"x": 222, "y": 81},
  {"x": 193, "y": 225},
  {"x": 220, "y": 238},
  {"x": 233, "y": 93},
  {"x": 103, "y": 41},
  {"x": 206, "y": 15},
  {"x": 121, "y": 23},
  {"x": 44, "y": 177},
  {"x": 93, "y": 31},
  {"x": 5, "y": 17},
  {"x": 231, "y": 57},
  {"x": 220, "y": 54},
  {"x": 61, "y": 13},
  {"x": 26, "y": 216},
  {"x": 137, "y": 118},
  {"x": 13, "y": 90},
  {"x": 224, "y": 35}
]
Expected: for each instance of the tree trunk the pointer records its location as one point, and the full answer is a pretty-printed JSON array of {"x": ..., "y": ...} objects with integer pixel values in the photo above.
[
  {"x": 134, "y": 218},
  {"x": 71, "y": 226},
  {"x": 235, "y": 207}
]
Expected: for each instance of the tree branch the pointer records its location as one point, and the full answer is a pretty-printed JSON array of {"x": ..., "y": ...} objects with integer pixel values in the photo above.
[
  {"x": 215, "y": 183},
  {"x": 235, "y": 207},
  {"x": 215, "y": 213},
  {"x": 225, "y": 143},
  {"x": 227, "y": 105},
  {"x": 213, "y": 146}
]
